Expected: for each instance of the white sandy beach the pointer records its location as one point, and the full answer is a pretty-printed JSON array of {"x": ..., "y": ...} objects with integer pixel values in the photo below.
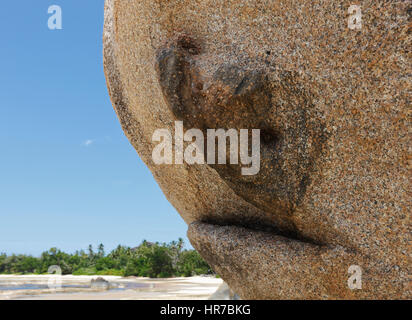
[{"x": 36, "y": 287}]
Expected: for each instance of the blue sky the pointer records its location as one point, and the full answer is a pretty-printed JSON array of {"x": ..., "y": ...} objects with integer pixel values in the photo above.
[{"x": 68, "y": 175}]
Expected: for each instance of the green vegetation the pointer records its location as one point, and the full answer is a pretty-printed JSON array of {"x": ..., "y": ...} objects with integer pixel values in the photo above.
[{"x": 153, "y": 260}]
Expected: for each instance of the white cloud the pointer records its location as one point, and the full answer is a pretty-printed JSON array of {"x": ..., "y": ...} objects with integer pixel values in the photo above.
[{"x": 87, "y": 142}]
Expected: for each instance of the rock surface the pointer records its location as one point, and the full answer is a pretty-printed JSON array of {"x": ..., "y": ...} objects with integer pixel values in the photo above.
[
  {"x": 99, "y": 283},
  {"x": 332, "y": 105}
]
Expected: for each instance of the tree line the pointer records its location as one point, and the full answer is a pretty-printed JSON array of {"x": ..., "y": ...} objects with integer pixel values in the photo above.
[{"x": 155, "y": 260}]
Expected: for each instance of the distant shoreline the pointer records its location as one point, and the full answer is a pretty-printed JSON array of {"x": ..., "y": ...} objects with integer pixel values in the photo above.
[{"x": 124, "y": 288}]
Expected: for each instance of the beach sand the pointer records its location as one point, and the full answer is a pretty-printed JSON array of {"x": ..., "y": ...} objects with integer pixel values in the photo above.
[{"x": 36, "y": 287}]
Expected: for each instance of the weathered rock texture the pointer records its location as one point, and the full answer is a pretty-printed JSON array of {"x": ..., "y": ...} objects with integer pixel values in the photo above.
[{"x": 332, "y": 105}]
